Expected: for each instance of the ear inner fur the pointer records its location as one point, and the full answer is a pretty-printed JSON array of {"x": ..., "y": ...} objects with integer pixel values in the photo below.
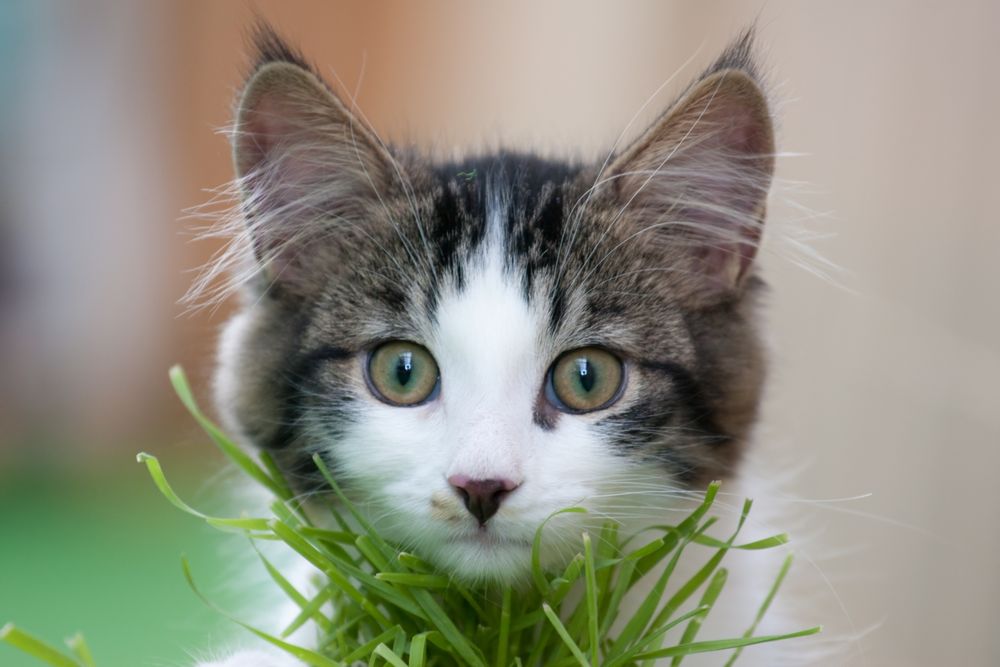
[
  {"x": 697, "y": 181},
  {"x": 307, "y": 167}
]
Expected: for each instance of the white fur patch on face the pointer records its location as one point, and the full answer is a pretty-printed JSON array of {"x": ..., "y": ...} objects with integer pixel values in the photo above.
[{"x": 487, "y": 339}]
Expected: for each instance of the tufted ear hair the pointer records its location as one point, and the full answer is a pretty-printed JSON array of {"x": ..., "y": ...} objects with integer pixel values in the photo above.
[
  {"x": 697, "y": 181},
  {"x": 304, "y": 162}
]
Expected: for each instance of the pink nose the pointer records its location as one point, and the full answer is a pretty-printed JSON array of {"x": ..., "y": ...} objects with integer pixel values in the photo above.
[{"x": 482, "y": 496}]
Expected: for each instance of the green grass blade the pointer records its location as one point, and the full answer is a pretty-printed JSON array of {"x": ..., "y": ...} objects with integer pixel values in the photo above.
[
  {"x": 399, "y": 643},
  {"x": 540, "y": 641},
  {"x": 766, "y": 543},
  {"x": 468, "y": 596},
  {"x": 564, "y": 635},
  {"x": 311, "y": 658},
  {"x": 310, "y": 553},
  {"x": 695, "y": 582},
  {"x": 282, "y": 510},
  {"x": 562, "y": 585},
  {"x": 757, "y": 545},
  {"x": 708, "y": 600},
  {"x": 504, "y": 638},
  {"x": 722, "y": 644},
  {"x": 389, "y": 656},
  {"x": 641, "y": 618},
  {"x": 78, "y": 645},
  {"x": 537, "y": 573},
  {"x": 782, "y": 573},
  {"x": 689, "y": 587},
  {"x": 685, "y": 530},
  {"x": 336, "y": 536},
  {"x": 387, "y": 550},
  {"x": 411, "y": 562},
  {"x": 280, "y": 579},
  {"x": 274, "y": 472},
  {"x": 592, "y": 593},
  {"x": 689, "y": 526},
  {"x": 655, "y": 636},
  {"x": 325, "y": 542},
  {"x": 418, "y": 650},
  {"x": 417, "y": 580},
  {"x": 368, "y": 648},
  {"x": 310, "y": 611},
  {"x": 622, "y": 583},
  {"x": 372, "y": 587},
  {"x": 160, "y": 480},
  {"x": 368, "y": 548},
  {"x": 526, "y": 620},
  {"x": 35, "y": 647},
  {"x": 606, "y": 557},
  {"x": 439, "y": 619},
  {"x": 183, "y": 390}
]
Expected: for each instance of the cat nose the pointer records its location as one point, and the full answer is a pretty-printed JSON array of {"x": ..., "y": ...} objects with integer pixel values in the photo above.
[{"x": 482, "y": 496}]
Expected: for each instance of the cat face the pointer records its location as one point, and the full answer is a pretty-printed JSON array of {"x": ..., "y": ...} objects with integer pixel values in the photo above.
[{"x": 474, "y": 346}]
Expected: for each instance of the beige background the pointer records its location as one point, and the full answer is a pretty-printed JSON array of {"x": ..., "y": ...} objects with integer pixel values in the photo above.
[{"x": 885, "y": 340}]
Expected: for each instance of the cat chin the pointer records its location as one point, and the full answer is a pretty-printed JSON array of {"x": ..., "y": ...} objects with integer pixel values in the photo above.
[
  {"x": 484, "y": 557},
  {"x": 480, "y": 562},
  {"x": 473, "y": 555}
]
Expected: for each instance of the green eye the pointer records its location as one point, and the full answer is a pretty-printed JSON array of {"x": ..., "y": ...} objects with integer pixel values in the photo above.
[
  {"x": 585, "y": 380},
  {"x": 402, "y": 373}
]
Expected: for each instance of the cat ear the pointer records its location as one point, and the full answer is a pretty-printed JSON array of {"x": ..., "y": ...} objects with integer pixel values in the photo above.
[
  {"x": 696, "y": 182},
  {"x": 303, "y": 161}
]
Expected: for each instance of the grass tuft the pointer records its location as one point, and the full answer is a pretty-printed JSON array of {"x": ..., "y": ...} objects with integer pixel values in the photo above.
[{"x": 380, "y": 606}]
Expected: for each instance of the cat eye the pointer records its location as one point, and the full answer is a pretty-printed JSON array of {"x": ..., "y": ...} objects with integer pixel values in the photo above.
[
  {"x": 585, "y": 380},
  {"x": 402, "y": 373}
]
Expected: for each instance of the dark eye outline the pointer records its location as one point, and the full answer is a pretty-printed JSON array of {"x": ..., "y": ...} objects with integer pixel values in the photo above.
[
  {"x": 374, "y": 390},
  {"x": 553, "y": 398}
]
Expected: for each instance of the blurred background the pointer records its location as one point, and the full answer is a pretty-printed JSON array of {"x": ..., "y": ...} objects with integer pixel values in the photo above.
[{"x": 883, "y": 252}]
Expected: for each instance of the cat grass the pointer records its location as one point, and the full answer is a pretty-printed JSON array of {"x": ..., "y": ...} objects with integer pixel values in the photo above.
[{"x": 380, "y": 606}]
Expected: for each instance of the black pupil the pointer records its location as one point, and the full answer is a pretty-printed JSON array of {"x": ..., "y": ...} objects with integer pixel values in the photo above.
[
  {"x": 586, "y": 373},
  {"x": 404, "y": 368}
]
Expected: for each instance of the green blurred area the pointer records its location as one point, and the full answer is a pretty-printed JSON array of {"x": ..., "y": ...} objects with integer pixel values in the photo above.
[{"x": 99, "y": 553}]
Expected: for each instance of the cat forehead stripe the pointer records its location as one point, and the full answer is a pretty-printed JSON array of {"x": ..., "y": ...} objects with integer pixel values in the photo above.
[{"x": 485, "y": 326}]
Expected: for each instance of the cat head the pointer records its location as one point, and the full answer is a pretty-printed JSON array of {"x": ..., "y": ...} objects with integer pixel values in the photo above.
[{"x": 472, "y": 346}]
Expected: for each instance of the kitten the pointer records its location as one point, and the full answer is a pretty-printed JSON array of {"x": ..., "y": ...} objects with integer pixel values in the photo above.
[{"x": 473, "y": 345}]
